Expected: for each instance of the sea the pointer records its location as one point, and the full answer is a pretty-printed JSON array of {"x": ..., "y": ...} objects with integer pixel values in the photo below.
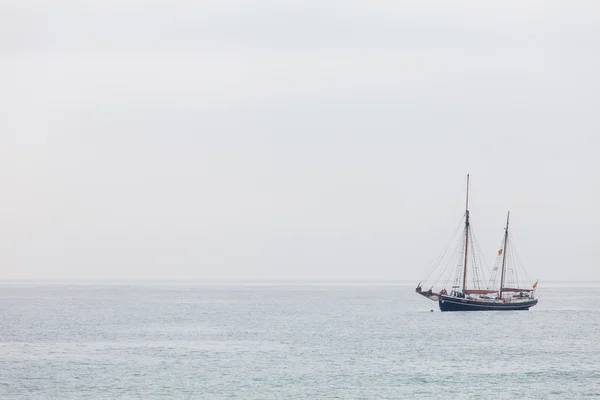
[{"x": 286, "y": 340}]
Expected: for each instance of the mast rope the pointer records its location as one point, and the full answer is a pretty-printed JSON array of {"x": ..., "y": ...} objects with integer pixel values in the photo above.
[
  {"x": 480, "y": 266},
  {"x": 518, "y": 260},
  {"x": 456, "y": 262},
  {"x": 439, "y": 259}
]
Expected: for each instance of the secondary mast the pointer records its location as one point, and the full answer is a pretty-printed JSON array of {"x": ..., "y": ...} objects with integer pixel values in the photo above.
[
  {"x": 464, "y": 285},
  {"x": 504, "y": 255}
]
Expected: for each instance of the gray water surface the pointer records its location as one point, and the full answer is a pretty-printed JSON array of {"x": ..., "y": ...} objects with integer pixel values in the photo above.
[{"x": 290, "y": 342}]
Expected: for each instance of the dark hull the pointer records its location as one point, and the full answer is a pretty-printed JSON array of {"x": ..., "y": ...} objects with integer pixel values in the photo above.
[{"x": 448, "y": 303}]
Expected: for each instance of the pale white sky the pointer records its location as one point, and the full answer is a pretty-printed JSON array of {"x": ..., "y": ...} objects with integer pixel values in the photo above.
[{"x": 295, "y": 140}]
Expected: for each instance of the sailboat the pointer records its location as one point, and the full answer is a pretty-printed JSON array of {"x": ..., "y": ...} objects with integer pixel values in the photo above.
[{"x": 464, "y": 286}]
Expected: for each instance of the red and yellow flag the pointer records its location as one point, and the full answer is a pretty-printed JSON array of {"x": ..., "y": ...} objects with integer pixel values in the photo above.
[{"x": 535, "y": 284}]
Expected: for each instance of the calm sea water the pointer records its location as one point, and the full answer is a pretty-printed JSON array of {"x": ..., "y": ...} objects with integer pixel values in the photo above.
[{"x": 291, "y": 342}]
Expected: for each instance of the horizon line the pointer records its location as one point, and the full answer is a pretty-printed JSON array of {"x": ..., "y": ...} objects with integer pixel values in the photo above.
[{"x": 238, "y": 281}]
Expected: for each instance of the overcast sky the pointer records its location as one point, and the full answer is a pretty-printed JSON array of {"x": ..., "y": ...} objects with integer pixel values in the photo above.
[{"x": 295, "y": 139}]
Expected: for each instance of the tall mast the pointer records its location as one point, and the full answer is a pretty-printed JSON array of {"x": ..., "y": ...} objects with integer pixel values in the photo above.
[
  {"x": 464, "y": 285},
  {"x": 504, "y": 254}
]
